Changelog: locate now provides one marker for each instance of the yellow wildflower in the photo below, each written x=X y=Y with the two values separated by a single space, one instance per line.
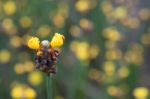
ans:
x=9 y=7
x=35 y=78
x=22 y=91
x=57 y=40
x=141 y=93
x=34 y=43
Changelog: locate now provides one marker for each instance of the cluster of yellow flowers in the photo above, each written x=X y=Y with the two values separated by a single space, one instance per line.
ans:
x=22 y=91
x=57 y=40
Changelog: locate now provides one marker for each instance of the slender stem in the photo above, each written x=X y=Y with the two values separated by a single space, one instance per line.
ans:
x=49 y=86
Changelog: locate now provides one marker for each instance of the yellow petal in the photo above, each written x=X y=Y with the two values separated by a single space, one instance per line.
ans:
x=57 y=40
x=34 y=43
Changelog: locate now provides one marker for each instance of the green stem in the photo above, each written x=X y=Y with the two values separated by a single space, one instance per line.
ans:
x=49 y=87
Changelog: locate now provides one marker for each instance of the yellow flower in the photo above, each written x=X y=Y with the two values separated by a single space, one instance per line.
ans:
x=34 y=43
x=35 y=78
x=141 y=93
x=9 y=7
x=22 y=91
x=57 y=40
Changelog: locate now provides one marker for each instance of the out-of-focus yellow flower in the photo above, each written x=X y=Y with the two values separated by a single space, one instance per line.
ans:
x=15 y=41
x=44 y=30
x=82 y=5
x=4 y=56
x=141 y=93
x=19 y=68
x=106 y=7
x=25 y=21
x=120 y=12
x=109 y=68
x=35 y=78
x=85 y=24
x=94 y=51
x=135 y=57
x=59 y=20
x=112 y=34
x=113 y=90
x=23 y=91
x=9 y=26
x=7 y=23
x=75 y=31
x=57 y=40
x=30 y=93
x=34 y=43
x=82 y=51
x=123 y=72
x=9 y=7
x=113 y=54
x=28 y=66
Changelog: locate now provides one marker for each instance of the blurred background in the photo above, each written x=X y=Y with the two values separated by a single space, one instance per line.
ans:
x=106 y=54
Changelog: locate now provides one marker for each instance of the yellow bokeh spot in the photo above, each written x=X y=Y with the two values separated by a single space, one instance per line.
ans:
x=21 y=91
x=82 y=5
x=44 y=31
x=141 y=93
x=9 y=7
x=85 y=24
x=75 y=31
x=9 y=26
x=35 y=78
x=120 y=12
x=106 y=7
x=113 y=54
x=19 y=68
x=57 y=40
x=17 y=92
x=30 y=93
x=94 y=51
x=123 y=72
x=112 y=34
x=135 y=57
x=33 y=43
x=59 y=20
x=15 y=41
x=4 y=56
x=82 y=51
x=109 y=68
x=25 y=21
x=112 y=90
x=29 y=66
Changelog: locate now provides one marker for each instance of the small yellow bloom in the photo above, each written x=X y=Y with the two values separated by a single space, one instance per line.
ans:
x=35 y=78
x=39 y=53
x=9 y=7
x=141 y=93
x=34 y=43
x=23 y=92
x=57 y=40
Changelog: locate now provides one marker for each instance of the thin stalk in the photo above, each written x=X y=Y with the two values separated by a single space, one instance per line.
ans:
x=49 y=86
